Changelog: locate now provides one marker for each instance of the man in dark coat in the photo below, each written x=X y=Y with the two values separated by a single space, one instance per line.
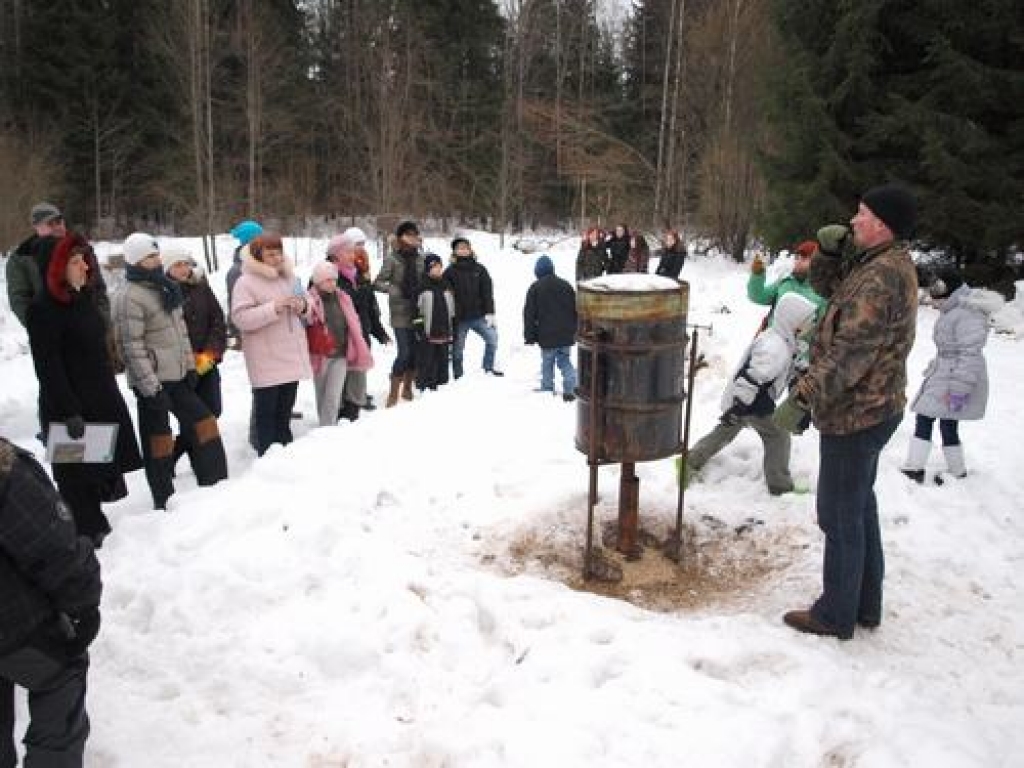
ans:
x=50 y=590
x=474 y=305
x=67 y=334
x=549 y=319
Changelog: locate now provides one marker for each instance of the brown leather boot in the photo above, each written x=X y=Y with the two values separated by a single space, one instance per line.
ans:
x=407 y=380
x=396 y=383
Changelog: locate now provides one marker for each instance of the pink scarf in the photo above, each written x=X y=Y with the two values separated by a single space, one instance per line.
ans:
x=357 y=351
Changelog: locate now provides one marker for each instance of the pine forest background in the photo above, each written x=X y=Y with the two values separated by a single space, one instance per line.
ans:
x=741 y=120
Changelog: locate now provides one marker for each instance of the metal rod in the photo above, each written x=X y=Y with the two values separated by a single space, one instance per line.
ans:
x=691 y=376
x=629 y=512
x=591 y=461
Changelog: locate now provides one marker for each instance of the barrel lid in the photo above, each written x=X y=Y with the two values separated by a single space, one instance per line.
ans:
x=630 y=282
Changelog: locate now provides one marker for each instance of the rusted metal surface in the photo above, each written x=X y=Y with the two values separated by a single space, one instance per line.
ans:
x=632 y=351
x=629 y=513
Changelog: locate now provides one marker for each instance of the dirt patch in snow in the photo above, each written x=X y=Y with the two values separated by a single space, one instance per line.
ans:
x=721 y=565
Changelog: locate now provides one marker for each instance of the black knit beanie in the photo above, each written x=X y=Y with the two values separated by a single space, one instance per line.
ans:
x=895 y=206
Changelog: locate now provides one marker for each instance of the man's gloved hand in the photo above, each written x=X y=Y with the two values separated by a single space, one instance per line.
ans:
x=86 y=626
x=757 y=265
x=205 y=361
x=957 y=401
x=834 y=239
x=489 y=320
x=75 y=426
x=159 y=401
x=791 y=415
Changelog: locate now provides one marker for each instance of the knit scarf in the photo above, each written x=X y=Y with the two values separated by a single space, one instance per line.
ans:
x=349 y=273
x=170 y=291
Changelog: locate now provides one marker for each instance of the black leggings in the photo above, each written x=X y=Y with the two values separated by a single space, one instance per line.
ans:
x=947 y=428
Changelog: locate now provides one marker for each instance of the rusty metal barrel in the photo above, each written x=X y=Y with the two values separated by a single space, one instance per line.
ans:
x=636 y=327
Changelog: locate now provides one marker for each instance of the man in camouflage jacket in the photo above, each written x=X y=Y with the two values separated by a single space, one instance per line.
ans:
x=855 y=392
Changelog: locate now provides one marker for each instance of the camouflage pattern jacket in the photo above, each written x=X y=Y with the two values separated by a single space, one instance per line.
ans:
x=858 y=372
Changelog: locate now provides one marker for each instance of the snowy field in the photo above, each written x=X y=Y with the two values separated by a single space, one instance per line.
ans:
x=399 y=591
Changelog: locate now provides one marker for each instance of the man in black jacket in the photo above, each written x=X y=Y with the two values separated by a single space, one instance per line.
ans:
x=50 y=591
x=474 y=305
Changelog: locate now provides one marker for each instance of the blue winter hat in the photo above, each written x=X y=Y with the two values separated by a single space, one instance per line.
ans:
x=544 y=266
x=246 y=230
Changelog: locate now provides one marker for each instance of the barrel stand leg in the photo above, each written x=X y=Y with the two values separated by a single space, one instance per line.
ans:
x=629 y=512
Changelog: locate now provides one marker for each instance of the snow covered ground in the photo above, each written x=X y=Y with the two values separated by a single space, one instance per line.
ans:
x=402 y=591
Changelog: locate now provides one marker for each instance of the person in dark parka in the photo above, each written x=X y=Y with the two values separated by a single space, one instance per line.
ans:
x=67 y=334
x=549 y=319
x=50 y=589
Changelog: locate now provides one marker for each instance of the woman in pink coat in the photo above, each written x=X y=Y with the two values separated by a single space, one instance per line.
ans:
x=268 y=306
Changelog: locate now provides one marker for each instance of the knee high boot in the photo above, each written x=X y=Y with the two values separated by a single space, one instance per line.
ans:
x=955 y=460
x=407 y=379
x=396 y=383
x=917 y=457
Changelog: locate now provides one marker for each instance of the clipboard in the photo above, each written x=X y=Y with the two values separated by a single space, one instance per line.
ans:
x=96 y=446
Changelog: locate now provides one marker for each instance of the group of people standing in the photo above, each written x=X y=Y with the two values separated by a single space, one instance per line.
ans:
x=622 y=251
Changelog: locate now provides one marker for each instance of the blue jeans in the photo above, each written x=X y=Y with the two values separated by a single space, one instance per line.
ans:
x=485 y=332
x=562 y=357
x=848 y=516
x=405 y=356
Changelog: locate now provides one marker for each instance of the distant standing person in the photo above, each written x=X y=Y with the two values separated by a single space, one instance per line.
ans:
x=207 y=329
x=592 y=259
x=955 y=386
x=347 y=252
x=243 y=232
x=671 y=256
x=549 y=320
x=618 y=244
x=855 y=391
x=639 y=256
x=474 y=306
x=434 y=323
x=270 y=311
x=399 y=278
x=77 y=386
x=50 y=590
x=158 y=356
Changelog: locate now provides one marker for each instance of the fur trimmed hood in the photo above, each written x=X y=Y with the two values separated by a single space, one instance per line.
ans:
x=253 y=266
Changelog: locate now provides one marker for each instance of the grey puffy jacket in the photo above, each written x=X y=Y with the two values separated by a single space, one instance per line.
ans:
x=959 y=366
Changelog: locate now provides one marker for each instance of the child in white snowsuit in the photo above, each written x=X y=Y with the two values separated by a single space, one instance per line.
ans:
x=749 y=399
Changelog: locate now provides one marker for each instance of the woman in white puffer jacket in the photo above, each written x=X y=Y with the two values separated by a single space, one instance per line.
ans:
x=955 y=386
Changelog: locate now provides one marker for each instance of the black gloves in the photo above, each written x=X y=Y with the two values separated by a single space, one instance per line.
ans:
x=417 y=330
x=160 y=401
x=85 y=628
x=75 y=426
x=192 y=379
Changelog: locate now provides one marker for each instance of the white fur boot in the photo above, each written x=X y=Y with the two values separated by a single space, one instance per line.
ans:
x=917 y=457
x=955 y=460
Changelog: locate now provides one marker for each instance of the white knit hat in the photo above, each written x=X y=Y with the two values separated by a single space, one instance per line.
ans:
x=346 y=242
x=172 y=255
x=138 y=246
